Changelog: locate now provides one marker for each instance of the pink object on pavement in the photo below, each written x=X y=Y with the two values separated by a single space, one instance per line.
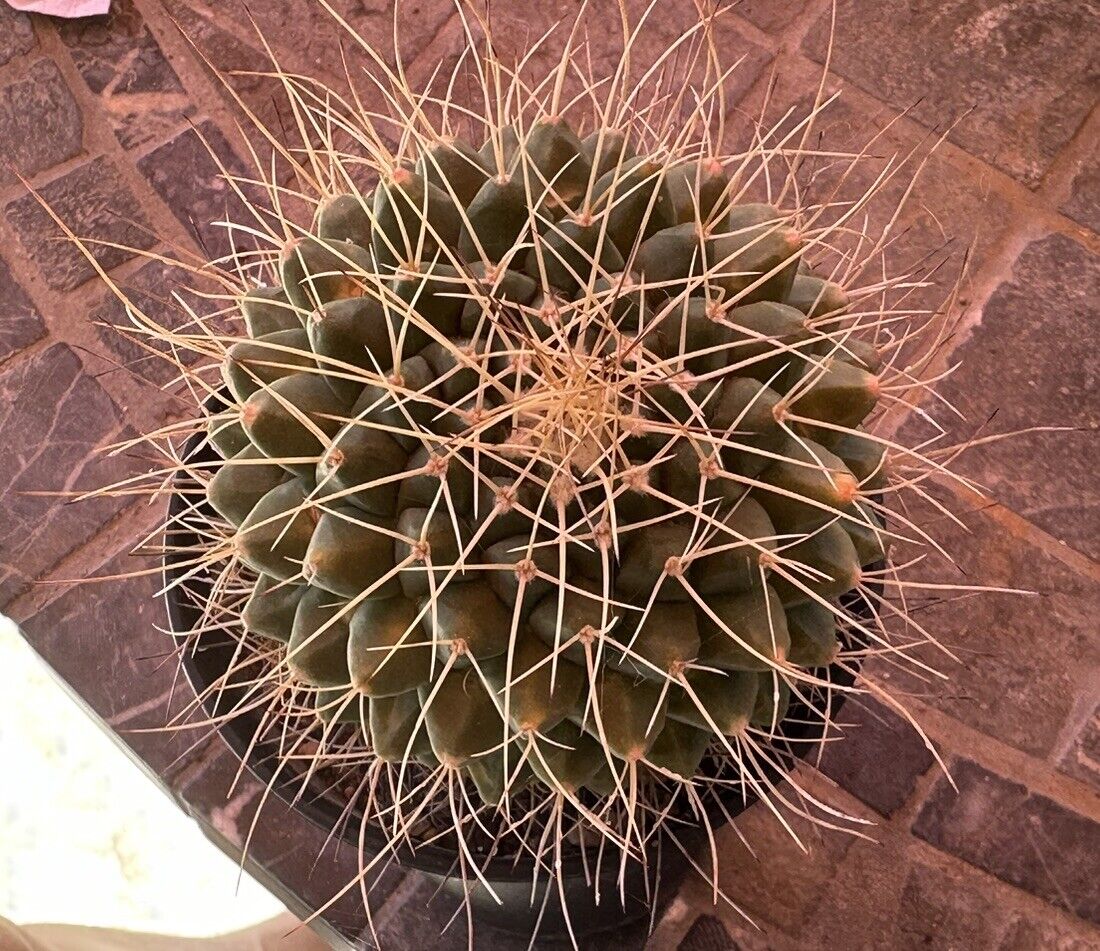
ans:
x=63 y=8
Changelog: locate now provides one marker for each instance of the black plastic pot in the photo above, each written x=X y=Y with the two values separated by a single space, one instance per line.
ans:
x=207 y=663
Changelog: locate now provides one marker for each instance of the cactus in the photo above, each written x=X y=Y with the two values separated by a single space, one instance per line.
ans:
x=612 y=513
x=548 y=468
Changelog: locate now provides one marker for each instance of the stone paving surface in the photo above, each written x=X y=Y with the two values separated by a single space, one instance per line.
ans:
x=106 y=118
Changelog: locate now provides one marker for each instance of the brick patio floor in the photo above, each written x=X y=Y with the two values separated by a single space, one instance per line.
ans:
x=104 y=117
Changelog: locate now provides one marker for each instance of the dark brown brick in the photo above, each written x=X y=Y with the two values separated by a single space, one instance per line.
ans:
x=122 y=64
x=21 y=324
x=40 y=122
x=189 y=180
x=1031 y=363
x=308 y=35
x=1082 y=759
x=1021 y=837
x=948 y=216
x=16 y=34
x=771 y=878
x=879 y=758
x=770 y=15
x=1023 y=659
x=226 y=58
x=152 y=290
x=1030 y=934
x=859 y=900
x=893 y=895
x=106 y=640
x=708 y=934
x=1021 y=68
x=53 y=421
x=946 y=910
x=117 y=50
x=1083 y=204
x=94 y=203
x=667 y=23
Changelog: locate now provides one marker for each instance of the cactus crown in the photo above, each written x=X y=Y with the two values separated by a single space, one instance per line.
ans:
x=547 y=466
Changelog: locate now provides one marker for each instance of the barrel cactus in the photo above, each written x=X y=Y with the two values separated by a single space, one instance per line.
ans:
x=546 y=455
x=540 y=472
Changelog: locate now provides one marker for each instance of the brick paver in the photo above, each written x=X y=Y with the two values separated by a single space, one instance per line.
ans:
x=103 y=118
x=53 y=419
x=122 y=63
x=16 y=34
x=221 y=48
x=1026 y=839
x=776 y=883
x=771 y=15
x=1082 y=759
x=95 y=205
x=40 y=122
x=950 y=219
x=191 y=183
x=1024 y=659
x=1019 y=69
x=1026 y=935
x=1024 y=365
x=1083 y=204
x=309 y=37
x=939 y=908
x=880 y=759
x=153 y=289
x=22 y=324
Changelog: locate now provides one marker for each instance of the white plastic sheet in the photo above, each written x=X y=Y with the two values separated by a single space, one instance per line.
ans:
x=63 y=8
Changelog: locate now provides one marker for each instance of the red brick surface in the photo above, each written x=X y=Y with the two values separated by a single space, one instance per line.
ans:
x=1023 y=660
x=1024 y=365
x=150 y=289
x=101 y=119
x=53 y=421
x=770 y=15
x=191 y=183
x=1083 y=204
x=1082 y=759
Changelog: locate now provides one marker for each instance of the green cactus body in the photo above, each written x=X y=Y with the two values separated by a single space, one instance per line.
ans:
x=546 y=461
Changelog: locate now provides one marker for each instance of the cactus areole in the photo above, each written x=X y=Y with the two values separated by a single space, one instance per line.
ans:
x=536 y=485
